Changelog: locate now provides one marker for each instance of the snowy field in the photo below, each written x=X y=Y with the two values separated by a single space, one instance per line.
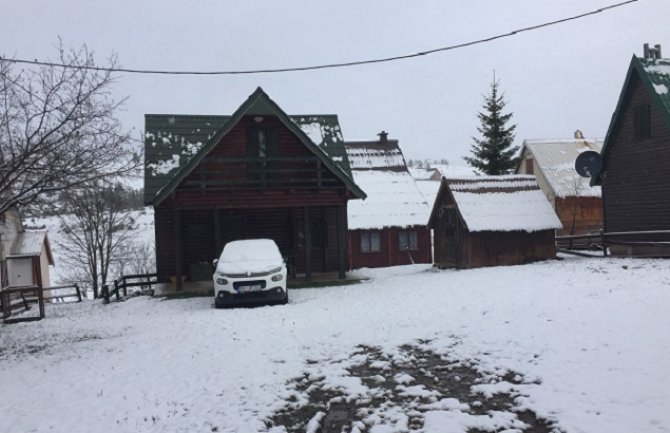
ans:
x=580 y=343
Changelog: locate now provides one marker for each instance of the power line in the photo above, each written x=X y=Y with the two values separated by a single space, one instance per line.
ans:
x=328 y=65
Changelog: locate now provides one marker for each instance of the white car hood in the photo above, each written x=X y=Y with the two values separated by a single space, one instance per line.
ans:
x=244 y=267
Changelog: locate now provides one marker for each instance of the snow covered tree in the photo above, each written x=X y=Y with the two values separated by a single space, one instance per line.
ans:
x=58 y=128
x=493 y=153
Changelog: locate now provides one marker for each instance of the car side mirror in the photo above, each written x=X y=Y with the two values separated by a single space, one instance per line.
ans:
x=214 y=262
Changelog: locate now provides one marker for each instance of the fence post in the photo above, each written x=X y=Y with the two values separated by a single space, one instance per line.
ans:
x=125 y=288
x=602 y=242
x=116 y=289
x=40 y=300
x=105 y=293
x=76 y=287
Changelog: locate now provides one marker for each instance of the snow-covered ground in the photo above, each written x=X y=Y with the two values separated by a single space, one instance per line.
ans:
x=587 y=340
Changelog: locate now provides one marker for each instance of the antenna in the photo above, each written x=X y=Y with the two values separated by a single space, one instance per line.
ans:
x=589 y=164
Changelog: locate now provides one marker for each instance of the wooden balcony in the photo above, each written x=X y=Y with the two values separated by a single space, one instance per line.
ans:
x=219 y=173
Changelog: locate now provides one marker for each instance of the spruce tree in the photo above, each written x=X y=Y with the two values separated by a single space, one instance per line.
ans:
x=494 y=153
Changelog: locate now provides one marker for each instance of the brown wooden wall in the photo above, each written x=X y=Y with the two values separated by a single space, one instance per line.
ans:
x=509 y=248
x=636 y=184
x=587 y=211
x=389 y=254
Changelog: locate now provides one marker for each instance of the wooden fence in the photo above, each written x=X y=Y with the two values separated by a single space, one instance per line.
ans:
x=144 y=281
x=576 y=244
x=16 y=299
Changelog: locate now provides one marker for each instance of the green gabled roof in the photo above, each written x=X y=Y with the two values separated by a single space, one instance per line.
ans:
x=655 y=77
x=175 y=144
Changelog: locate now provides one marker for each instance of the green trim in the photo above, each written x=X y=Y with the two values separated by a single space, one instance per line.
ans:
x=257 y=103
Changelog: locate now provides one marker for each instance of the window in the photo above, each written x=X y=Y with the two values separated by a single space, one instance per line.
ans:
x=642 y=122
x=407 y=241
x=370 y=242
x=529 y=166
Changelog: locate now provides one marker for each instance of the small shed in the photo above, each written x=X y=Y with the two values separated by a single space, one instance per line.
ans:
x=576 y=202
x=29 y=259
x=492 y=220
x=635 y=176
x=389 y=228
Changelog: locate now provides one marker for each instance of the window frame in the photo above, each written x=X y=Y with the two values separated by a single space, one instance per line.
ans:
x=409 y=239
x=370 y=242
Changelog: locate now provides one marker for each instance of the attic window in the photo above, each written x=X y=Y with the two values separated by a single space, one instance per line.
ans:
x=642 y=122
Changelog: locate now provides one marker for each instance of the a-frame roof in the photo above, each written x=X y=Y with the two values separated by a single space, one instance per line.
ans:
x=175 y=144
x=501 y=203
x=655 y=77
x=29 y=243
x=556 y=160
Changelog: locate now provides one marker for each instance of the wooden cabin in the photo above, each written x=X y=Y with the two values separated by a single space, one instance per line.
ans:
x=29 y=259
x=577 y=203
x=492 y=221
x=258 y=173
x=389 y=227
x=25 y=255
x=635 y=176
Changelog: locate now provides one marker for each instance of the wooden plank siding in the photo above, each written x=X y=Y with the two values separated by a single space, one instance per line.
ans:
x=637 y=178
x=230 y=166
x=389 y=253
x=585 y=212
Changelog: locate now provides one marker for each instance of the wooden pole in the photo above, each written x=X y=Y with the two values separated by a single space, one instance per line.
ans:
x=341 y=227
x=178 y=249
x=308 y=245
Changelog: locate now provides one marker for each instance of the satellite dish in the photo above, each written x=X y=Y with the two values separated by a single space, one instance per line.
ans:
x=589 y=163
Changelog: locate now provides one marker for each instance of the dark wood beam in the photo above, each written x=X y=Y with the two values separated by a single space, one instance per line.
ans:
x=308 y=244
x=178 y=249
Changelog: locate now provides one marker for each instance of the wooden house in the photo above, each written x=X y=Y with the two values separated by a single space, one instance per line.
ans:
x=25 y=255
x=389 y=227
x=635 y=175
x=258 y=173
x=492 y=220
x=577 y=203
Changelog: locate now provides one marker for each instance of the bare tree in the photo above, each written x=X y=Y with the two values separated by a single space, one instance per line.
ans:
x=95 y=226
x=58 y=128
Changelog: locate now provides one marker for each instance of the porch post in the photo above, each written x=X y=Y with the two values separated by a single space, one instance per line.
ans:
x=308 y=245
x=178 y=249
x=341 y=228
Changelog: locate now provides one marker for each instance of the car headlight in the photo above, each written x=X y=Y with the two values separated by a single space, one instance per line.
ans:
x=277 y=277
x=221 y=281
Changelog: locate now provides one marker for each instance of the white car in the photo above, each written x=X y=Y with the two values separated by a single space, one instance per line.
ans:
x=250 y=271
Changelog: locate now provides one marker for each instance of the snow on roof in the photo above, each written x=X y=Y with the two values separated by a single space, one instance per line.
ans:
x=393 y=201
x=29 y=243
x=503 y=203
x=375 y=155
x=556 y=160
x=423 y=173
x=429 y=190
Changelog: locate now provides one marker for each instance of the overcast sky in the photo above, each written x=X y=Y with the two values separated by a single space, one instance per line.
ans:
x=555 y=80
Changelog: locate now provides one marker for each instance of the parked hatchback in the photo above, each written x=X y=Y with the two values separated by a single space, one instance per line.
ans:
x=250 y=271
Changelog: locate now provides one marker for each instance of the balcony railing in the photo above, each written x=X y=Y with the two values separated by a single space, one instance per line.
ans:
x=261 y=173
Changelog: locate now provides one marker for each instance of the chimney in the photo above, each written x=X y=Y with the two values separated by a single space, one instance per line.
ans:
x=578 y=134
x=652 y=53
x=383 y=137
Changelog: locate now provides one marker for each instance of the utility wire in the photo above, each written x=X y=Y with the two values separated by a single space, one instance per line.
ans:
x=329 y=65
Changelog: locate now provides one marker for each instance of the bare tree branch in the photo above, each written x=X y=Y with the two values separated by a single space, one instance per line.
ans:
x=58 y=128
